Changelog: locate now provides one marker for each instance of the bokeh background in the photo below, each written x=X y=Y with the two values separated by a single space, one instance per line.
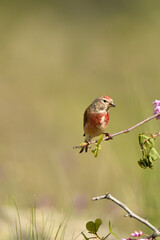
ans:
x=56 y=58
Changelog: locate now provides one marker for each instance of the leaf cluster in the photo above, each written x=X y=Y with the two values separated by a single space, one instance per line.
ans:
x=149 y=153
x=98 y=146
x=93 y=227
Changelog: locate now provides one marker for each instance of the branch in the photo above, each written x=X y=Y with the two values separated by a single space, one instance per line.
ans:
x=156 y=135
x=130 y=214
x=121 y=132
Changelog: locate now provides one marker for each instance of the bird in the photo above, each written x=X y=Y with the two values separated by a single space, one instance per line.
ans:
x=96 y=119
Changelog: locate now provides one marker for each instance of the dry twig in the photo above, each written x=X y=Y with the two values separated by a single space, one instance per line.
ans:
x=130 y=214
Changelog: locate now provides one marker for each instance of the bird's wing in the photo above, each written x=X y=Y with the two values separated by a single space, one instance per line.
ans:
x=85 y=118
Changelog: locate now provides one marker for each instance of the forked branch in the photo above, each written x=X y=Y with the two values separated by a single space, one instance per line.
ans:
x=130 y=214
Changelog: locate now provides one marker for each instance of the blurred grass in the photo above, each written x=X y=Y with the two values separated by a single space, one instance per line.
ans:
x=56 y=58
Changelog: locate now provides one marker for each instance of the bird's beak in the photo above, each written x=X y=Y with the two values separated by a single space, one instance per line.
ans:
x=112 y=104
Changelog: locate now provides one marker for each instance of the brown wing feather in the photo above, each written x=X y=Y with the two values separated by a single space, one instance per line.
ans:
x=85 y=117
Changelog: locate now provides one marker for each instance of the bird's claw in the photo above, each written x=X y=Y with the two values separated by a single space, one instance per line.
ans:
x=108 y=135
x=87 y=145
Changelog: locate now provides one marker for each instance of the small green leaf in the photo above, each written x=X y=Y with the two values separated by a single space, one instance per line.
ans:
x=91 y=227
x=115 y=235
x=100 y=139
x=146 y=142
x=98 y=147
x=141 y=138
x=109 y=225
x=146 y=162
x=95 y=152
x=154 y=154
x=111 y=232
x=149 y=153
x=98 y=223
x=142 y=163
x=151 y=142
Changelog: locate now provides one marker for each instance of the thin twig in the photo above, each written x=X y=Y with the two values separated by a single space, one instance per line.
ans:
x=130 y=214
x=121 y=132
x=156 y=135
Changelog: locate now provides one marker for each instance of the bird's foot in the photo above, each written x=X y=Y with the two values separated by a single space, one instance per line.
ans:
x=108 y=135
x=85 y=147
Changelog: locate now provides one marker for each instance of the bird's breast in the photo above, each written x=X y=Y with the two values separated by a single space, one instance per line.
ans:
x=99 y=119
x=96 y=124
x=103 y=121
x=95 y=120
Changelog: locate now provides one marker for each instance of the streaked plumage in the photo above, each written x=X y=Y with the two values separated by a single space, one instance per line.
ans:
x=96 y=118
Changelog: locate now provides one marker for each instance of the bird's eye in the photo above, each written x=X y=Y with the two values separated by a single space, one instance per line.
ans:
x=104 y=100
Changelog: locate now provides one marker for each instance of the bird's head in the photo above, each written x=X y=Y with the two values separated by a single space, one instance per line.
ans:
x=102 y=104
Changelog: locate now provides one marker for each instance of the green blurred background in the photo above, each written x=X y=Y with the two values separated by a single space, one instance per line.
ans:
x=56 y=58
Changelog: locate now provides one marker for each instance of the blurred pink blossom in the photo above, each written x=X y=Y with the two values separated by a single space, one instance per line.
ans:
x=136 y=234
x=157 y=108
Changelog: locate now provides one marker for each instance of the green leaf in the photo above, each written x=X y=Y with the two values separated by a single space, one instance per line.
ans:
x=142 y=163
x=100 y=139
x=96 y=153
x=146 y=162
x=98 y=147
x=91 y=227
x=98 y=223
x=146 y=142
x=141 y=138
x=111 y=232
x=154 y=154
x=149 y=161
x=149 y=153
x=109 y=225
x=151 y=142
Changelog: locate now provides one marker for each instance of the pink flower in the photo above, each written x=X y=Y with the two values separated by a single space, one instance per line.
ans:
x=156 y=103
x=136 y=234
x=157 y=108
